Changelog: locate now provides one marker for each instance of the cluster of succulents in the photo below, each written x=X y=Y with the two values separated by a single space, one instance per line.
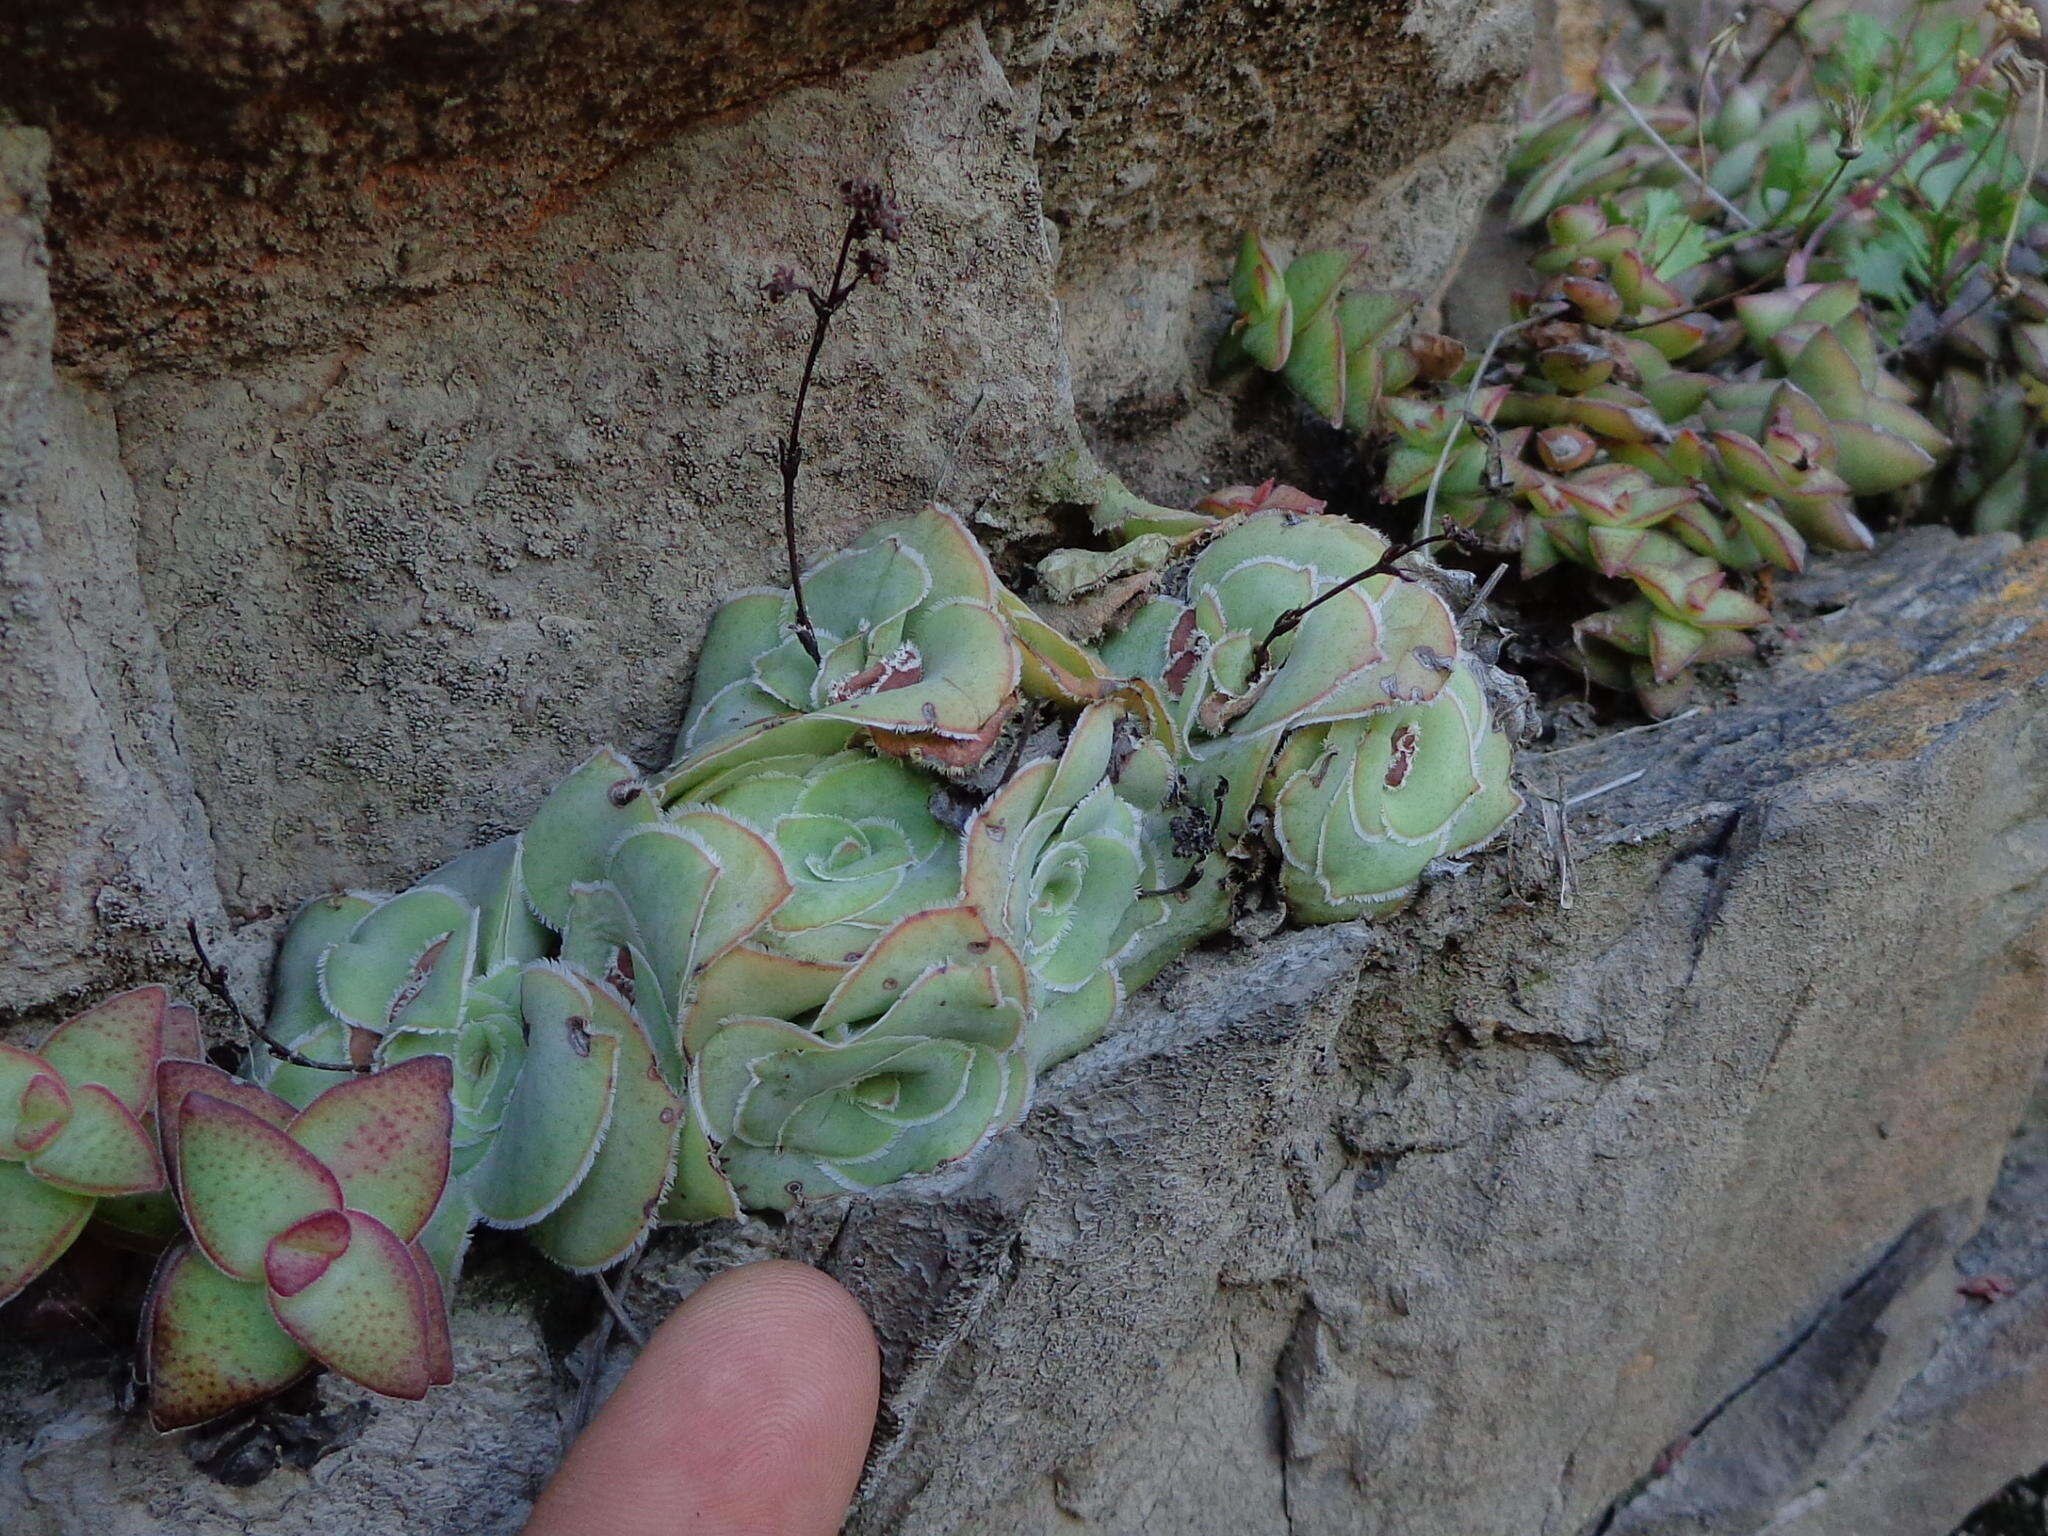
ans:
x=835 y=942
x=1896 y=154
x=1984 y=368
x=1609 y=435
x=1756 y=311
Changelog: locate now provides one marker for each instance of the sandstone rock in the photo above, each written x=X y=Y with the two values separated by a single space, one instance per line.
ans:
x=417 y=359
x=103 y=842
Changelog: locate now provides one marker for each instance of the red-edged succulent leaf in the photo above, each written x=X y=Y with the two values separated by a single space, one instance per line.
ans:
x=182 y=1038
x=176 y=1078
x=302 y=1252
x=102 y=1150
x=38 y=1222
x=385 y=1137
x=34 y=1103
x=242 y=1181
x=366 y=1315
x=211 y=1344
x=441 y=1357
x=116 y=1043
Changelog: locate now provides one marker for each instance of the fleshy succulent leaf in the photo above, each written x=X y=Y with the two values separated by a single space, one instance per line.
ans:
x=556 y=1117
x=211 y=1343
x=102 y=1150
x=573 y=832
x=242 y=1181
x=175 y=1079
x=385 y=1138
x=38 y=1223
x=613 y=1206
x=363 y=1311
x=115 y=1043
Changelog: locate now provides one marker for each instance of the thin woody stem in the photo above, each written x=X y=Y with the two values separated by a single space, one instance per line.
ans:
x=215 y=980
x=790 y=454
x=1619 y=96
x=1386 y=565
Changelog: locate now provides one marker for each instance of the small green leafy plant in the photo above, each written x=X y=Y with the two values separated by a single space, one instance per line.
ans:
x=1755 y=314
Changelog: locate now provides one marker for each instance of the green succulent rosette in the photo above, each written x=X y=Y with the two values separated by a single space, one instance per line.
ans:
x=1361 y=807
x=915 y=1057
x=914 y=648
x=1053 y=861
x=854 y=831
x=1262 y=629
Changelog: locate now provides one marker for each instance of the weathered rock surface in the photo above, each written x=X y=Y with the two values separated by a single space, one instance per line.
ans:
x=420 y=386
x=1475 y=1221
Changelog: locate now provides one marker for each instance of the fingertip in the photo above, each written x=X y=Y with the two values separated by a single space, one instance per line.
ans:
x=749 y=1411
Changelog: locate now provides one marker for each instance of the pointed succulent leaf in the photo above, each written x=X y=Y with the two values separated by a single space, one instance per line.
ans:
x=440 y=1344
x=385 y=1138
x=176 y=1079
x=1768 y=528
x=211 y=1343
x=362 y=1308
x=34 y=1103
x=38 y=1223
x=1674 y=646
x=1873 y=461
x=102 y=1150
x=1313 y=281
x=1316 y=365
x=242 y=1181
x=116 y=1044
x=302 y=1252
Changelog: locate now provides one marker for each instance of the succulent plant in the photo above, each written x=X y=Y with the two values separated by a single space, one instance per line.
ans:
x=76 y=1124
x=304 y=1244
x=1262 y=628
x=1072 y=863
x=854 y=831
x=830 y=947
x=915 y=1057
x=1603 y=441
x=1331 y=346
x=1982 y=361
x=916 y=649
x=1889 y=159
x=1361 y=807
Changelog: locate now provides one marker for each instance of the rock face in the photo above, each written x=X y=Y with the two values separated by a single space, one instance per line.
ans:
x=383 y=391
x=412 y=386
